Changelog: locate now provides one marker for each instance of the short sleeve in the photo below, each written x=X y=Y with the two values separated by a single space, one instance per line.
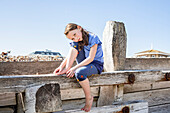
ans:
x=95 y=40
x=74 y=45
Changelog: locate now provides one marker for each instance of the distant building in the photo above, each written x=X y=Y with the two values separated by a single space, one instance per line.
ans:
x=151 y=54
x=45 y=53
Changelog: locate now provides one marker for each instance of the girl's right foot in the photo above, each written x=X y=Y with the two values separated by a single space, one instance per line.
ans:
x=88 y=105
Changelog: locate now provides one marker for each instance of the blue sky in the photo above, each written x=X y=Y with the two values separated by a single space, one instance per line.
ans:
x=29 y=25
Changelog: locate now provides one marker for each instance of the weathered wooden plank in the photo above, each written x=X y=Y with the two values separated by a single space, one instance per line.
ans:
x=7 y=99
x=145 y=86
x=6 y=110
x=76 y=104
x=19 y=83
x=153 y=97
x=77 y=93
x=160 y=109
x=134 y=107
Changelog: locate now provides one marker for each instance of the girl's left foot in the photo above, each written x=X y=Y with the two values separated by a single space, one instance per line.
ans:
x=88 y=105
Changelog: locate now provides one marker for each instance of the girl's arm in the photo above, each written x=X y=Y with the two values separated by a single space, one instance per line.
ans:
x=71 y=57
x=68 y=62
x=88 y=60
x=60 y=68
x=63 y=63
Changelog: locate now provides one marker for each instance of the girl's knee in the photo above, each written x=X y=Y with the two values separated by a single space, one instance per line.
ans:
x=80 y=77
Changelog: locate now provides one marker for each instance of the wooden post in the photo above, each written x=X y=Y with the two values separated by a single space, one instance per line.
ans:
x=114 y=49
x=107 y=95
x=110 y=94
x=20 y=103
x=43 y=98
x=114 y=46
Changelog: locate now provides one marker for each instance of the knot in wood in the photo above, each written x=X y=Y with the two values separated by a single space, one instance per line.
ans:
x=125 y=109
x=131 y=78
x=167 y=76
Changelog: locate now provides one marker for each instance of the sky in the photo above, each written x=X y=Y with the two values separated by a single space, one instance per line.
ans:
x=30 y=25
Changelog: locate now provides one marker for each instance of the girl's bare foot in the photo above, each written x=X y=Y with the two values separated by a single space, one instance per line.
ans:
x=88 y=104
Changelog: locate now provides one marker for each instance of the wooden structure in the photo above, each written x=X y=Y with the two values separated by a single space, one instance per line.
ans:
x=115 y=90
x=152 y=54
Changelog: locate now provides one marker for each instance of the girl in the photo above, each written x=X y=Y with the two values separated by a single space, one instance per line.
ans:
x=87 y=50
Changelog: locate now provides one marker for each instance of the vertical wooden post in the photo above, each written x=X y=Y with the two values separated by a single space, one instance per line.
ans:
x=110 y=94
x=107 y=95
x=114 y=46
x=20 y=103
x=114 y=50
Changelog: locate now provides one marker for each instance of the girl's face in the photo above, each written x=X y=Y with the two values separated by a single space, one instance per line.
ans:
x=75 y=35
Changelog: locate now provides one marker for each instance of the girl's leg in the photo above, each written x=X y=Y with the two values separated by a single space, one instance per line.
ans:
x=81 y=56
x=81 y=75
x=89 y=98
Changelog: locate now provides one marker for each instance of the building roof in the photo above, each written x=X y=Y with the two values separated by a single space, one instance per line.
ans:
x=152 y=51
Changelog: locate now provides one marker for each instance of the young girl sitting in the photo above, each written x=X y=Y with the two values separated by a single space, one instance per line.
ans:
x=87 y=50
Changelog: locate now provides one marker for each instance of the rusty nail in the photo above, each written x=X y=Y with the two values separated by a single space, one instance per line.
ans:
x=131 y=78
x=167 y=76
x=125 y=109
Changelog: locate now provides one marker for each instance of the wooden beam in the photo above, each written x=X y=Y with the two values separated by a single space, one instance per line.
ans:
x=165 y=108
x=19 y=83
x=153 y=97
x=76 y=104
x=6 y=110
x=130 y=88
x=131 y=106
x=77 y=93
x=7 y=99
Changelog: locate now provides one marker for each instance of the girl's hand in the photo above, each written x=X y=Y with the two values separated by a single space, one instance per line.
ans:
x=58 y=70
x=70 y=73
